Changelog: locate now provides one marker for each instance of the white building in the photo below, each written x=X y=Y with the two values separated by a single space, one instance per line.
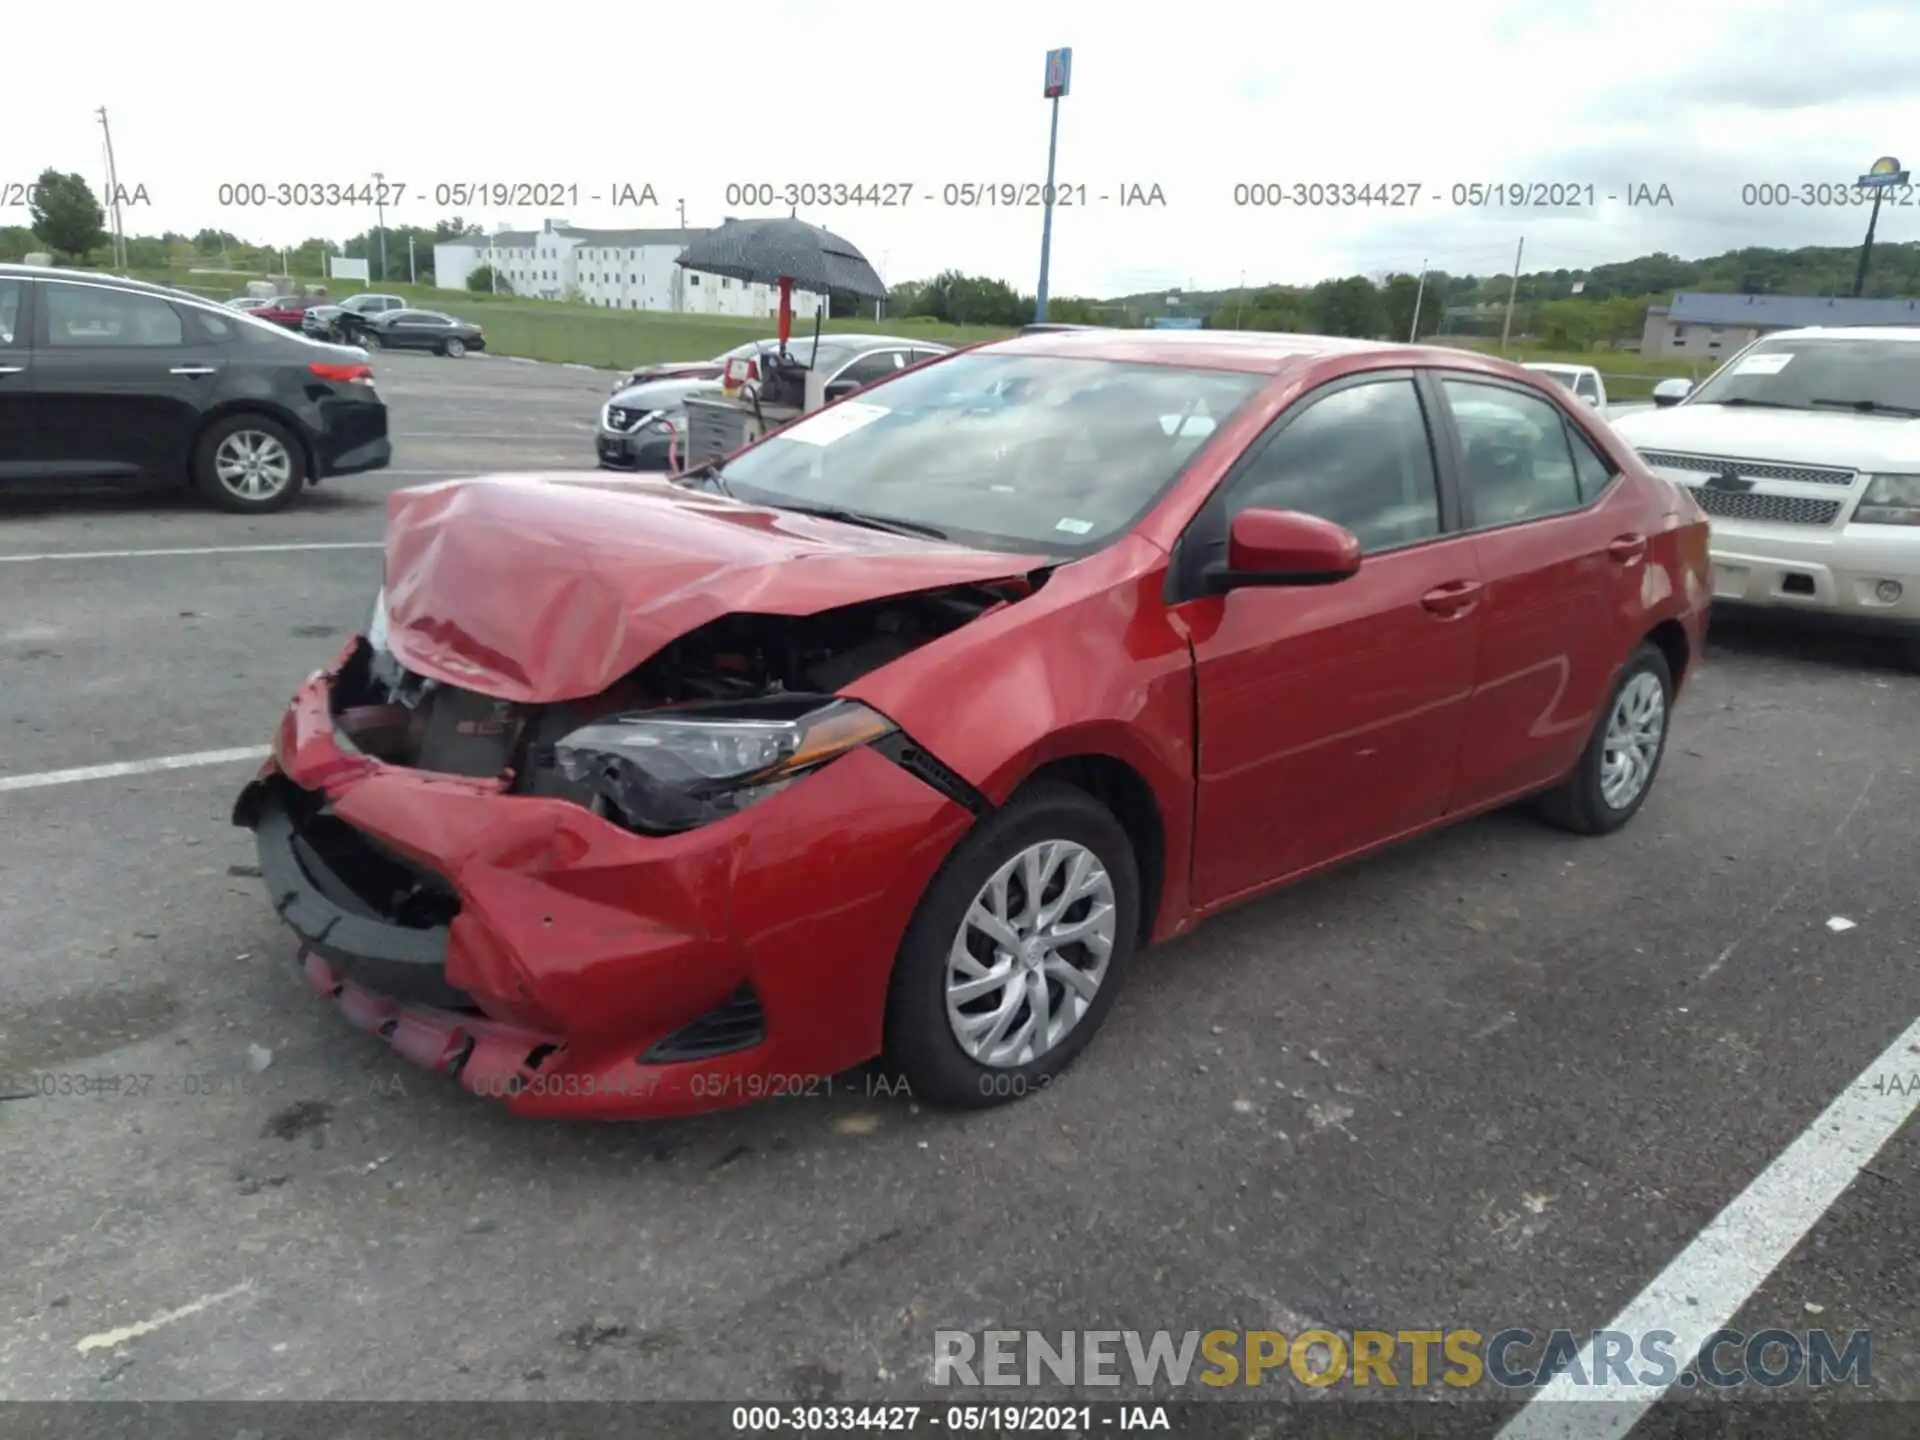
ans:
x=621 y=269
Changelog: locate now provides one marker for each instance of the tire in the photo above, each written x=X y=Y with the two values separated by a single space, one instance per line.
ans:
x=369 y=342
x=454 y=348
x=249 y=465
x=922 y=1045
x=1583 y=803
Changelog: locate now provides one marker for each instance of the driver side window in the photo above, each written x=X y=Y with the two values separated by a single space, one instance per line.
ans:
x=1361 y=457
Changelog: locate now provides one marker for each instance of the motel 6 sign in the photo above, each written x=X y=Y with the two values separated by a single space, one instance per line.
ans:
x=1059 y=71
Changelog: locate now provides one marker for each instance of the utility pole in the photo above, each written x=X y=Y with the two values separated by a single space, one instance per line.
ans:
x=380 y=212
x=682 y=206
x=113 y=194
x=1239 y=299
x=413 y=277
x=1059 y=71
x=1419 y=294
x=1506 y=326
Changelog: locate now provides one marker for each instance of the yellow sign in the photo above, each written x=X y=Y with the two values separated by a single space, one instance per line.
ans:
x=1885 y=165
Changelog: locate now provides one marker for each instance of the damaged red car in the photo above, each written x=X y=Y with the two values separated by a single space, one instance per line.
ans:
x=900 y=733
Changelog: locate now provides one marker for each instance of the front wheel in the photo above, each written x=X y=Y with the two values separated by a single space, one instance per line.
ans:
x=1016 y=953
x=1617 y=769
x=454 y=349
x=369 y=342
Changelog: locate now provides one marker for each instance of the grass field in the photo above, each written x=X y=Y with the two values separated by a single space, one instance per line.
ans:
x=1628 y=376
x=592 y=334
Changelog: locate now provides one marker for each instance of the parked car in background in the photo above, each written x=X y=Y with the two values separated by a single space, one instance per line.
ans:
x=108 y=380
x=287 y=311
x=248 y=302
x=418 y=330
x=1804 y=449
x=644 y=427
x=902 y=730
x=691 y=369
x=340 y=323
x=1586 y=383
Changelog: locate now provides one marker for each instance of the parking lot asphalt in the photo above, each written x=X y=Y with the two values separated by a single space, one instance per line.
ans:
x=1499 y=1078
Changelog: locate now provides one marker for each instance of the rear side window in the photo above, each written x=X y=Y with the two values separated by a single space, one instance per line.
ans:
x=13 y=299
x=1595 y=471
x=204 y=325
x=1518 y=458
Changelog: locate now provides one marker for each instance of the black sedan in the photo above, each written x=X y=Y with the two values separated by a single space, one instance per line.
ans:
x=418 y=330
x=115 y=381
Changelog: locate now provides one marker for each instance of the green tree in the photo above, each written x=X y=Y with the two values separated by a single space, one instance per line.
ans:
x=482 y=281
x=1399 y=299
x=66 y=215
x=1347 y=307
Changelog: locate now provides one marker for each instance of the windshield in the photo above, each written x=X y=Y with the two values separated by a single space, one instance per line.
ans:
x=1010 y=452
x=1823 y=373
x=1565 y=377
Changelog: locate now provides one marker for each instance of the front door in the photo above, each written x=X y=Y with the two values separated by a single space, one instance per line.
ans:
x=119 y=384
x=1329 y=717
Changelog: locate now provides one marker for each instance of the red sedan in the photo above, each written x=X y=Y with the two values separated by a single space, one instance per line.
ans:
x=900 y=733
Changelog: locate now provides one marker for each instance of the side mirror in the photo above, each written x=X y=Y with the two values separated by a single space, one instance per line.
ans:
x=1671 y=392
x=1592 y=401
x=1285 y=547
x=840 y=389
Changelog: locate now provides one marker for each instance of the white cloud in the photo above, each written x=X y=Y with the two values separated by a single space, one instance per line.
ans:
x=1193 y=98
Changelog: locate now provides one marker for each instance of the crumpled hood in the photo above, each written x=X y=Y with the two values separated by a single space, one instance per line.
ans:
x=1837 y=438
x=544 y=588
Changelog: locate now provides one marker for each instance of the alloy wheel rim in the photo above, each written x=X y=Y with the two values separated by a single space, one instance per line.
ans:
x=456 y=349
x=253 y=465
x=1635 y=729
x=1031 y=953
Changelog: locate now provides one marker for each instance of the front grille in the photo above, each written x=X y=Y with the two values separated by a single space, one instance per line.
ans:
x=1780 y=509
x=622 y=419
x=737 y=1024
x=1748 y=469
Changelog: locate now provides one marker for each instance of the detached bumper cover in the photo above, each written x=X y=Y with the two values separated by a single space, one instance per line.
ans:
x=573 y=949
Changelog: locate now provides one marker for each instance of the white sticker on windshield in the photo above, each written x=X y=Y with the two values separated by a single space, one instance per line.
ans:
x=830 y=425
x=1075 y=527
x=1771 y=363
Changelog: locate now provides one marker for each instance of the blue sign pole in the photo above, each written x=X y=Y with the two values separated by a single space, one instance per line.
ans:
x=1059 y=71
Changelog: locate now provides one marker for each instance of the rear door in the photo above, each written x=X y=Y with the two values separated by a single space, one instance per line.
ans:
x=19 y=429
x=1562 y=549
x=119 y=381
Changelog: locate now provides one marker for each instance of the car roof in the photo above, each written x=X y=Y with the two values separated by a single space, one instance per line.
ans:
x=1260 y=352
x=1848 y=332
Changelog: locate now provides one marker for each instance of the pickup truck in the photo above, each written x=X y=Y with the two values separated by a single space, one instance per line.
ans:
x=1583 y=380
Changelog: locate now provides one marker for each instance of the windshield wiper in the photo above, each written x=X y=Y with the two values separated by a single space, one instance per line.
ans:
x=1755 y=404
x=1867 y=407
x=710 y=473
x=871 y=522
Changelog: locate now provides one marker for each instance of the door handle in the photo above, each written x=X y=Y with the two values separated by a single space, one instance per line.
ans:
x=1627 y=548
x=191 y=370
x=1454 y=598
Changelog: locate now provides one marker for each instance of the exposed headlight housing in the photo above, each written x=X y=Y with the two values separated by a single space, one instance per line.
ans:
x=377 y=622
x=1890 y=500
x=664 y=771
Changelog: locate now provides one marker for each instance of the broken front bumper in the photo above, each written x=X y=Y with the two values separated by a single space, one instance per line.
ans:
x=549 y=957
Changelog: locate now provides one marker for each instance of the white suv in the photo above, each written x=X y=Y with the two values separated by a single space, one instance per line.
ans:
x=1804 y=450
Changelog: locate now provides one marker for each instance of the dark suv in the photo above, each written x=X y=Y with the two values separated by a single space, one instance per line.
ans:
x=104 y=379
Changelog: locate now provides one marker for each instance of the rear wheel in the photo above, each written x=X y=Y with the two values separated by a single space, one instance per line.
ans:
x=248 y=464
x=454 y=348
x=1016 y=953
x=1617 y=770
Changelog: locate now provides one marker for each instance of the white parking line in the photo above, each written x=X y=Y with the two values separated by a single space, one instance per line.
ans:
x=133 y=767
x=1709 y=1281
x=196 y=550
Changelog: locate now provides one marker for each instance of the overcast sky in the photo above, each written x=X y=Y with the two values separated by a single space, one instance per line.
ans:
x=1701 y=98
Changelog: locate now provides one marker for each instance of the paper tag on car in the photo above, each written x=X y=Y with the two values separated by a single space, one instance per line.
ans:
x=1769 y=364
x=1075 y=527
x=836 y=424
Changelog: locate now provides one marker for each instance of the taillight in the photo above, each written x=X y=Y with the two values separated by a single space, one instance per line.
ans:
x=346 y=374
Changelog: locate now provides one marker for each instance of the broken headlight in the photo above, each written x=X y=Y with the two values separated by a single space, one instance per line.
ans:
x=1890 y=500
x=377 y=622
x=663 y=771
